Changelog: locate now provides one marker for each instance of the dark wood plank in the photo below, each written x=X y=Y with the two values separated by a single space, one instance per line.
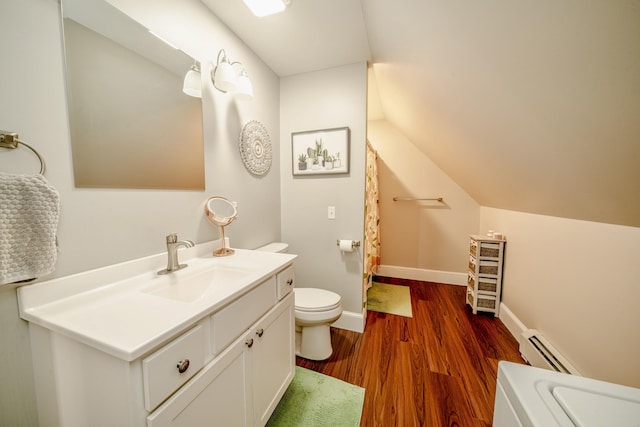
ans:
x=437 y=368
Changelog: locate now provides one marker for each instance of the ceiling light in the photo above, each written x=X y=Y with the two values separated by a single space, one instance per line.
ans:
x=262 y=8
x=192 y=82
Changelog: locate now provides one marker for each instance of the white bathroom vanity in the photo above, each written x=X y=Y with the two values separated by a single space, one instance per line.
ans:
x=210 y=344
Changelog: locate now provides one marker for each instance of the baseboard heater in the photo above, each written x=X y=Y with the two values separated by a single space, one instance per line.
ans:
x=539 y=352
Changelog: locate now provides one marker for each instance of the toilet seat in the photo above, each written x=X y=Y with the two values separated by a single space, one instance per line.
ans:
x=315 y=311
x=315 y=300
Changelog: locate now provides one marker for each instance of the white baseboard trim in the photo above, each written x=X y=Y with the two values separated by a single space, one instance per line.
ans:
x=437 y=276
x=513 y=324
x=350 y=321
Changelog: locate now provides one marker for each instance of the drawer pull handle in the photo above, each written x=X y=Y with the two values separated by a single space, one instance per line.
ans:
x=290 y=282
x=249 y=342
x=259 y=332
x=183 y=365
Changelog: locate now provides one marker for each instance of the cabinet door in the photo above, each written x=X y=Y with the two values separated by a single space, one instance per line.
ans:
x=273 y=358
x=216 y=396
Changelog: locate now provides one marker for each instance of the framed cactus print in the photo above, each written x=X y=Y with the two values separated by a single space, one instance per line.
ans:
x=320 y=152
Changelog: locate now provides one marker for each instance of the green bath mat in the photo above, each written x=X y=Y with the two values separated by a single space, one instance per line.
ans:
x=317 y=400
x=393 y=299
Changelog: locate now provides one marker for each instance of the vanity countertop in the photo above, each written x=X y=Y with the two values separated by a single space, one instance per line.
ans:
x=127 y=309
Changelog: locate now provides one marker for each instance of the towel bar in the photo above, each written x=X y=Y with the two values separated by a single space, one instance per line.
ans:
x=10 y=140
x=433 y=199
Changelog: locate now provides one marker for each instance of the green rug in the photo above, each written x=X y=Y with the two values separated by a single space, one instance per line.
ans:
x=393 y=299
x=317 y=400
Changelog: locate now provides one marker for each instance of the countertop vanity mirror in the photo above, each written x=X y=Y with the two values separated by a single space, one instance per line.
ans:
x=221 y=212
x=131 y=125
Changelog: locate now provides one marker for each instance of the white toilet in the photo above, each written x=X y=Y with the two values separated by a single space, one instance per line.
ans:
x=315 y=310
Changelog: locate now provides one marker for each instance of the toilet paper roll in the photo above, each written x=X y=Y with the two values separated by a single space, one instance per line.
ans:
x=346 y=245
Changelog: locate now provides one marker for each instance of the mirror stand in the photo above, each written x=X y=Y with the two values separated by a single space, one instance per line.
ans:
x=221 y=212
x=223 y=251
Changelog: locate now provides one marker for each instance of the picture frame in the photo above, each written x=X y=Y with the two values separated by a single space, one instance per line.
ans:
x=320 y=152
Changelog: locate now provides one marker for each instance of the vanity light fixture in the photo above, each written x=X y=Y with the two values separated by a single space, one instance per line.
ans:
x=262 y=8
x=225 y=78
x=192 y=81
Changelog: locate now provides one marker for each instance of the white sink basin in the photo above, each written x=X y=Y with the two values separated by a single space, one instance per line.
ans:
x=191 y=288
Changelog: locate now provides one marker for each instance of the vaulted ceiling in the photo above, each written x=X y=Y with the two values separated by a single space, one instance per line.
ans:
x=528 y=106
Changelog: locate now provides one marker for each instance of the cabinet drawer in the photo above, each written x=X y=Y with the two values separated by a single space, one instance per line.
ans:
x=217 y=396
x=486 y=284
x=484 y=249
x=488 y=267
x=481 y=300
x=285 y=282
x=161 y=371
x=488 y=249
x=228 y=323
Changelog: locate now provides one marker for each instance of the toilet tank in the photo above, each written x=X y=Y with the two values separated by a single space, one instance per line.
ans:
x=274 y=247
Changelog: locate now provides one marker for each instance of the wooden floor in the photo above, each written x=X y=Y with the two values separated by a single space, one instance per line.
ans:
x=437 y=368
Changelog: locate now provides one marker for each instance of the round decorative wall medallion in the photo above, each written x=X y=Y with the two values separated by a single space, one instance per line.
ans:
x=255 y=148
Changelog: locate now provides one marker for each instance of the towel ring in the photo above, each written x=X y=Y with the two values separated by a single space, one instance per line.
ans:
x=10 y=140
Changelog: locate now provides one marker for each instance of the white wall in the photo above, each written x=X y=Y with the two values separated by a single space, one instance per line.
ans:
x=576 y=282
x=101 y=227
x=544 y=92
x=420 y=240
x=326 y=99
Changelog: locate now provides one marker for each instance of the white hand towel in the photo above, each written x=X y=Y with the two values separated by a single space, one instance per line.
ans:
x=29 y=213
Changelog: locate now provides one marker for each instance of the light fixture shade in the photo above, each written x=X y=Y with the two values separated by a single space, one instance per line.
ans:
x=224 y=77
x=244 y=89
x=262 y=8
x=192 y=83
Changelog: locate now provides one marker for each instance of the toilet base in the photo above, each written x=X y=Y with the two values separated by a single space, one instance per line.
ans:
x=313 y=342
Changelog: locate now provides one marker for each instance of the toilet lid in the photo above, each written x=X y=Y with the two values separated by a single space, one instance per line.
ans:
x=312 y=299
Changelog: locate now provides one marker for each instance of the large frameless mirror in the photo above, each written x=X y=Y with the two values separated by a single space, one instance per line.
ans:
x=131 y=124
x=221 y=212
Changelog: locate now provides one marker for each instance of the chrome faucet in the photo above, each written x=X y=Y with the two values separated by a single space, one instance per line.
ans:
x=172 y=253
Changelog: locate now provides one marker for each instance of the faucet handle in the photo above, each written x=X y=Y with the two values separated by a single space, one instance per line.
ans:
x=172 y=238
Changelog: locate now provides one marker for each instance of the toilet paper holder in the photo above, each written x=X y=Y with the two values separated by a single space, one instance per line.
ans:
x=354 y=243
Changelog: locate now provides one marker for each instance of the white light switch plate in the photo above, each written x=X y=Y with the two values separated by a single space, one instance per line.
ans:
x=331 y=212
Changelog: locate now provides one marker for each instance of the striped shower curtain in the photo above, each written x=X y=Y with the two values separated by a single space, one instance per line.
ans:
x=371 y=221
